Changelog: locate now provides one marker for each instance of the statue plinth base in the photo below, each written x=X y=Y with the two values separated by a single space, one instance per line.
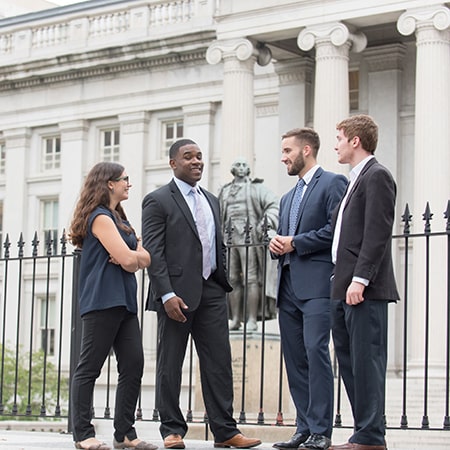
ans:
x=250 y=380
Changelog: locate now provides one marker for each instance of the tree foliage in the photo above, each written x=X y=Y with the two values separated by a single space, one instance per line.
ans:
x=35 y=395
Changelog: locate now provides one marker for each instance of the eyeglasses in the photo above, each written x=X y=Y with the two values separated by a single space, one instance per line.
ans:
x=127 y=179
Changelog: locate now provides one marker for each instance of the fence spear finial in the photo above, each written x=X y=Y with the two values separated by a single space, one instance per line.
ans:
x=35 y=244
x=63 y=242
x=427 y=217
x=21 y=244
x=406 y=218
x=6 y=246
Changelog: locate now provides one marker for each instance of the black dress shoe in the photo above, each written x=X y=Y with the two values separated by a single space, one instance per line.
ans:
x=294 y=442
x=316 y=441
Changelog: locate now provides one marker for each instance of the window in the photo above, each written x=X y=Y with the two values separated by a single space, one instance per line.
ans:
x=2 y=158
x=49 y=224
x=353 y=82
x=110 y=145
x=51 y=155
x=47 y=321
x=172 y=131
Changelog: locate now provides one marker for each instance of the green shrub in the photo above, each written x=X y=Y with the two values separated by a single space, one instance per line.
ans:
x=27 y=399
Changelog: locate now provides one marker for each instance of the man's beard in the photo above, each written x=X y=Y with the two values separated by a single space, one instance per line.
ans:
x=297 y=166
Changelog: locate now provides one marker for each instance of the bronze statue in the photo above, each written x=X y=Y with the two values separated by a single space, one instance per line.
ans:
x=245 y=199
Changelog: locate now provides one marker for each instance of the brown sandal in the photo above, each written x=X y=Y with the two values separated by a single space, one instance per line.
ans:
x=101 y=446
x=142 y=445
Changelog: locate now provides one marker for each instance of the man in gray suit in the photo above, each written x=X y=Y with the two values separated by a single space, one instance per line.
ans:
x=181 y=229
x=303 y=249
x=363 y=282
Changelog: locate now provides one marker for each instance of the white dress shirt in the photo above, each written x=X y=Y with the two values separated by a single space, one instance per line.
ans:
x=353 y=175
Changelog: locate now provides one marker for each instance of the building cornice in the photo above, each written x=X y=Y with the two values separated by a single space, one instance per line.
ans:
x=106 y=62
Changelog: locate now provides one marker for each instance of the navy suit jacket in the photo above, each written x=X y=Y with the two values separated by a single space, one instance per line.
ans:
x=310 y=262
x=365 y=240
x=170 y=235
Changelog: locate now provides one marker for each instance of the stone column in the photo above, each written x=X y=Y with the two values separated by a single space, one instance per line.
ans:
x=16 y=211
x=432 y=109
x=133 y=151
x=431 y=169
x=17 y=147
x=385 y=65
x=332 y=42
x=199 y=126
x=295 y=106
x=74 y=135
x=295 y=80
x=238 y=110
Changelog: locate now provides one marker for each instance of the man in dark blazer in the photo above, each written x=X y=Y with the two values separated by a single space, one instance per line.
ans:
x=303 y=249
x=188 y=286
x=363 y=282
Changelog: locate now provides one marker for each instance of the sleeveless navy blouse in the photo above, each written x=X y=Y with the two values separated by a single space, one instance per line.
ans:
x=103 y=284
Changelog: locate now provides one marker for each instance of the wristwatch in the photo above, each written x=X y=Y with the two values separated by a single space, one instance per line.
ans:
x=292 y=243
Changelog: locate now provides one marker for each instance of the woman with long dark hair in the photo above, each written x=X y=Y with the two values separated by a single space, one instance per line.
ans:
x=111 y=254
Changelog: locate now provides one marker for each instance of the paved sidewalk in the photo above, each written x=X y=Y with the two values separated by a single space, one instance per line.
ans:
x=14 y=436
x=39 y=440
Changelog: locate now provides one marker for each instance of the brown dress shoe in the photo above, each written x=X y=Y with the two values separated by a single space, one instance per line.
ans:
x=173 y=441
x=355 y=446
x=238 y=441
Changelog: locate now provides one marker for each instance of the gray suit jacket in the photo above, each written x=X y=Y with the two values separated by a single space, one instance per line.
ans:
x=365 y=242
x=170 y=235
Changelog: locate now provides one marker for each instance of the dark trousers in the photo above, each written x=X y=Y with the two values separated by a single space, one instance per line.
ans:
x=360 y=341
x=118 y=329
x=208 y=325
x=305 y=335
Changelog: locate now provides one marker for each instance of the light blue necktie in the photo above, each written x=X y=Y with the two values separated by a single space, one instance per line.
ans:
x=295 y=206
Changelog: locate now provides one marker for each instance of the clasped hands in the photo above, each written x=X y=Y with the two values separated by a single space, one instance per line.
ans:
x=280 y=245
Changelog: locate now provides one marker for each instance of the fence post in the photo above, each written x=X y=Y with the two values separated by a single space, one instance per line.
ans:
x=75 y=330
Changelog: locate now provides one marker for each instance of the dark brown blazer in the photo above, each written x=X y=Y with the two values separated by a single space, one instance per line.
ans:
x=365 y=241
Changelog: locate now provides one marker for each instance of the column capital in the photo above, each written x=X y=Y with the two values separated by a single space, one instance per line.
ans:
x=134 y=117
x=73 y=125
x=437 y=17
x=335 y=33
x=242 y=49
x=17 y=135
x=385 y=57
x=134 y=122
x=294 y=71
x=199 y=113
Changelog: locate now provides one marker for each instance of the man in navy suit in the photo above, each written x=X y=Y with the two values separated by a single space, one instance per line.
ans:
x=303 y=249
x=363 y=282
x=188 y=283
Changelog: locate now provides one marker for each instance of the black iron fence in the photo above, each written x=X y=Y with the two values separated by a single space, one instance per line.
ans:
x=40 y=335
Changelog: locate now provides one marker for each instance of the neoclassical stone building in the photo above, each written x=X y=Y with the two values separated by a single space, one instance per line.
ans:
x=120 y=80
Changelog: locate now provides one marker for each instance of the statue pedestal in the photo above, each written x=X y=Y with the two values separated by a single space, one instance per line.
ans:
x=256 y=376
